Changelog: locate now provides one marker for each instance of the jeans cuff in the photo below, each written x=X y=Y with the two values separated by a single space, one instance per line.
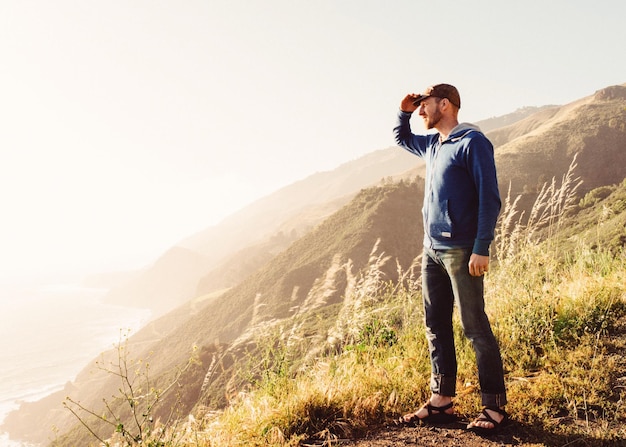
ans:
x=444 y=385
x=494 y=400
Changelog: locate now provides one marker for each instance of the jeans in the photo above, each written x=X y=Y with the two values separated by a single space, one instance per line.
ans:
x=446 y=282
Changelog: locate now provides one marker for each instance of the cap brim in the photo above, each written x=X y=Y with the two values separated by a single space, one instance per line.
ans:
x=419 y=99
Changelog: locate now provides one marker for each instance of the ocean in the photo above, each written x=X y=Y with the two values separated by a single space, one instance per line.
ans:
x=48 y=334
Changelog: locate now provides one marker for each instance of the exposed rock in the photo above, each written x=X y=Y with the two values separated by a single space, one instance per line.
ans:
x=612 y=92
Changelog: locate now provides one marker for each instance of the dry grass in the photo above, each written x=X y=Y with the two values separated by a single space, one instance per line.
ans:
x=561 y=372
x=554 y=311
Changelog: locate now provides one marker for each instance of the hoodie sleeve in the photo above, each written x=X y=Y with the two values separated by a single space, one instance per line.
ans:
x=483 y=170
x=416 y=144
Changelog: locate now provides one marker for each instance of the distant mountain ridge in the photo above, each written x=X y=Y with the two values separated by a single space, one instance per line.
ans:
x=289 y=212
x=294 y=209
x=594 y=128
x=497 y=122
x=301 y=263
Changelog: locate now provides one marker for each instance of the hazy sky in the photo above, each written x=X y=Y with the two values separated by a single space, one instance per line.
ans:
x=129 y=125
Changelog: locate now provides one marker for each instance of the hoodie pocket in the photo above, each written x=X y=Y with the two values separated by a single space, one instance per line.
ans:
x=441 y=223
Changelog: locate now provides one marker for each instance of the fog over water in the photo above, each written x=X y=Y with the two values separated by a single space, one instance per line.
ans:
x=48 y=334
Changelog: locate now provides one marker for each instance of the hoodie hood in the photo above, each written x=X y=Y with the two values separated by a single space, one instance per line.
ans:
x=461 y=130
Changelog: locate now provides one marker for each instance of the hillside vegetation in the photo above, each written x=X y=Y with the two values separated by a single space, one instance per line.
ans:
x=257 y=231
x=307 y=281
x=559 y=310
x=592 y=128
x=530 y=150
x=328 y=292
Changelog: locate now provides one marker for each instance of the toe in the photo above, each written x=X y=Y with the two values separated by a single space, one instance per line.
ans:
x=482 y=424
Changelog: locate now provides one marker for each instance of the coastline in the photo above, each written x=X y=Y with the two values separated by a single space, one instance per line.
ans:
x=48 y=335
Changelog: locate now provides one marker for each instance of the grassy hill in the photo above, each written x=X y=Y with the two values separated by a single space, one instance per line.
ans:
x=534 y=145
x=294 y=209
x=301 y=282
x=244 y=241
x=542 y=146
x=332 y=277
x=333 y=366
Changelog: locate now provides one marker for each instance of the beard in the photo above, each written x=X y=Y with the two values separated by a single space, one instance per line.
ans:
x=431 y=121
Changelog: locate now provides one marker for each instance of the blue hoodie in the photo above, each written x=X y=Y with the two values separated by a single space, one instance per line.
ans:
x=461 y=197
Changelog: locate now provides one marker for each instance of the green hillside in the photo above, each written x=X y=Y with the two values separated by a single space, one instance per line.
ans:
x=305 y=282
x=324 y=301
x=542 y=146
x=334 y=364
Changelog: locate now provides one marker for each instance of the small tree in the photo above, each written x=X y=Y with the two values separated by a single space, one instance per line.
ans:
x=138 y=396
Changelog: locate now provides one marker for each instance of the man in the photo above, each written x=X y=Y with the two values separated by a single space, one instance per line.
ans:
x=461 y=206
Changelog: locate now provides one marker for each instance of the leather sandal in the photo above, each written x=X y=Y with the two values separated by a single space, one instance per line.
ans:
x=436 y=415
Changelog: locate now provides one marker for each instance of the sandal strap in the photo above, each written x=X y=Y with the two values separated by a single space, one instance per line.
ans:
x=498 y=410
x=485 y=416
x=430 y=408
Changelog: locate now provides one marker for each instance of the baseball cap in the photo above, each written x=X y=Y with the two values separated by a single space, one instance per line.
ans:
x=440 y=91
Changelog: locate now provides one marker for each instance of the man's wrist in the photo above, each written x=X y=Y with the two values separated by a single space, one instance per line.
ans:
x=481 y=247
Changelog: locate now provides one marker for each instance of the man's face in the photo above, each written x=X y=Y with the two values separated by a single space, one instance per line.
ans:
x=430 y=112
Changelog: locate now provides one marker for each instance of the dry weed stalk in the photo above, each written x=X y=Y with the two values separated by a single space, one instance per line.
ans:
x=362 y=292
x=552 y=203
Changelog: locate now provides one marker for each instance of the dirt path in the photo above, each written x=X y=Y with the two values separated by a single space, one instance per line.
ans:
x=455 y=435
